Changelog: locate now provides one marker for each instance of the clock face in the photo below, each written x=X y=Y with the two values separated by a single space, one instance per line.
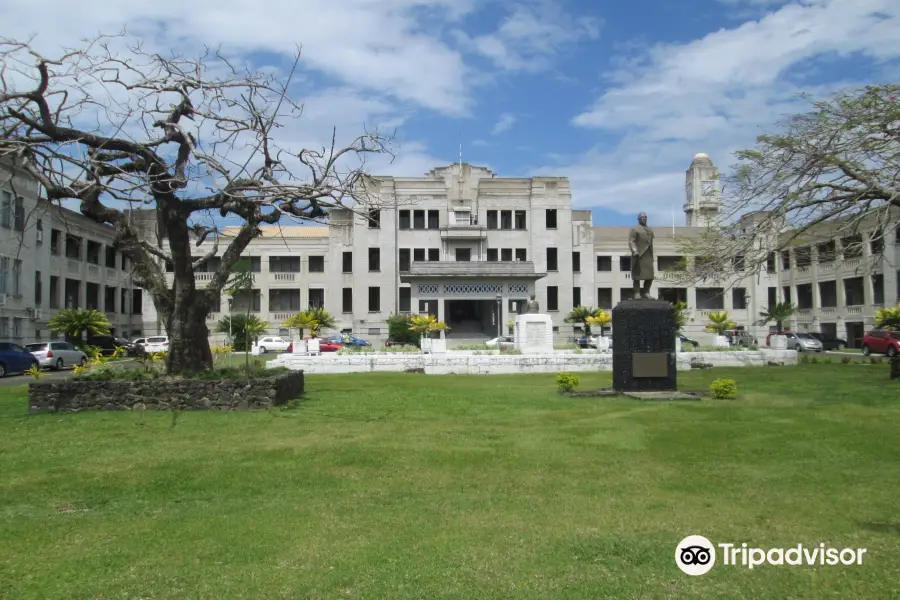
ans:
x=709 y=188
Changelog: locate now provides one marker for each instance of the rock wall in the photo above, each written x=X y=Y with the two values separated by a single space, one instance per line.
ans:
x=162 y=394
x=466 y=364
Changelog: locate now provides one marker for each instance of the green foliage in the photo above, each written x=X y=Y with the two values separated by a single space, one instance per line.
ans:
x=314 y=319
x=566 y=382
x=719 y=323
x=846 y=360
x=426 y=324
x=888 y=318
x=681 y=314
x=723 y=389
x=588 y=317
x=243 y=328
x=35 y=372
x=231 y=372
x=777 y=313
x=72 y=322
x=399 y=329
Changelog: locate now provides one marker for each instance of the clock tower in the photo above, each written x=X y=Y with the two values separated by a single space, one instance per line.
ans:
x=702 y=192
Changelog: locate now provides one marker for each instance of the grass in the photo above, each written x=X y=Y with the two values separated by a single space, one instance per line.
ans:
x=406 y=486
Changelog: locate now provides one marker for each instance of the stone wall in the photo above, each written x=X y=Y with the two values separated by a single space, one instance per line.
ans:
x=162 y=394
x=498 y=364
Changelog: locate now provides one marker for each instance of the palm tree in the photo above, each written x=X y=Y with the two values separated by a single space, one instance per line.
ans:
x=719 y=323
x=588 y=316
x=779 y=312
x=72 y=322
x=314 y=319
x=243 y=327
x=681 y=315
x=425 y=324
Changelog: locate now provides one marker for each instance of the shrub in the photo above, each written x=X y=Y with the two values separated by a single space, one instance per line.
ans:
x=566 y=382
x=723 y=389
x=846 y=360
x=35 y=372
x=876 y=360
x=813 y=359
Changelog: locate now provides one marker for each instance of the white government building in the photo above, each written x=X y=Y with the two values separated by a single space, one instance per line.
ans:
x=460 y=243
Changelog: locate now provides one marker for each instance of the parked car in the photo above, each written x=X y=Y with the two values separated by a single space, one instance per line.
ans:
x=326 y=345
x=158 y=343
x=882 y=342
x=399 y=343
x=802 y=342
x=348 y=339
x=686 y=341
x=829 y=343
x=15 y=359
x=108 y=345
x=740 y=337
x=56 y=355
x=271 y=342
x=503 y=343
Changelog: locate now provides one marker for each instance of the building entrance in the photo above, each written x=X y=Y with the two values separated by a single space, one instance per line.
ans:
x=471 y=318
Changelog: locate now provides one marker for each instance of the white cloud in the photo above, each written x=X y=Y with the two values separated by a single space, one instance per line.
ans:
x=714 y=95
x=504 y=123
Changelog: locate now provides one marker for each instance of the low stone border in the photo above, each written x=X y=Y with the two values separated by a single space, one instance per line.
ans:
x=165 y=394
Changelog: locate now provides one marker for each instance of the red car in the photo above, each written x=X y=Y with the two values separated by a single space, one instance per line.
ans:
x=324 y=346
x=881 y=342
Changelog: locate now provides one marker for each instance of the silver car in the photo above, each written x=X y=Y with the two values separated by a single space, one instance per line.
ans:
x=804 y=342
x=57 y=355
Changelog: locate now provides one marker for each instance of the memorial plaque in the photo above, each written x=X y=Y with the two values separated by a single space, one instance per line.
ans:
x=650 y=364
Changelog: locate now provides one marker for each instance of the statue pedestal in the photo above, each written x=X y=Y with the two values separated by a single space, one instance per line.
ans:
x=534 y=333
x=644 y=352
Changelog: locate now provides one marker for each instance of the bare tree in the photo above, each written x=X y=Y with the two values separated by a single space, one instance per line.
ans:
x=189 y=138
x=833 y=172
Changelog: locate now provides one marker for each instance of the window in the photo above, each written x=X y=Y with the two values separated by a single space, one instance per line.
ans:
x=109 y=299
x=434 y=254
x=492 y=219
x=492 y=255
x=785 y=260
x=374 y=331
x=375 y=299
x=110 y=258
x=521 y=254
x=19 y=215
x=375 y=219
x=347 y=300
x=625 y=263
x=576 y=297
x=876 y=246
x=428 y=307
x=826 y=251
x=434 y=219
x=17 y=328
x=506 y=254
x=55 y=235
x=347 y=262
x=786 y=293
x=739 y=298
x=419 y=255
x=802 y=256
x=552 y=259
x=5 y=209
x=878 y=289
x=123 y=301
x=552 y=297
x=520 y=219
x=773 y=296
x=405 y=300
x=284 y=264
x=39 y=227
x=852 y=246
x=38 y=289
x=738 y=262
x=505 y=219
x=137 y=301
x=4 y=275
x=17 y=278
x=418 y=219
x=710 y=299
x=404 y=219
x=316 y=298
x=316 y=264
x=54 y=291
x=604 y=263
x=403 y=259
x=374 y=260
x=463 y=254
x=604 y=298
x=551 y=218
x=576 y=262
x=770 y=263
x=462 y=217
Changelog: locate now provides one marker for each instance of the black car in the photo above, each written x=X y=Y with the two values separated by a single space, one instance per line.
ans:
x=398 y=343
x=108 y=345
x=829 y=343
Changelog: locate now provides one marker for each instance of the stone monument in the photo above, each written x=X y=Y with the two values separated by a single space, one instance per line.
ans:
x=640 y=242
x=534 y=331
x=644 y=346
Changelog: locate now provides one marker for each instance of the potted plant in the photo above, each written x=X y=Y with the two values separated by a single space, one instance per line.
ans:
x=427 y=325
x=719 y=323
x=779 y=313
x=600 y=319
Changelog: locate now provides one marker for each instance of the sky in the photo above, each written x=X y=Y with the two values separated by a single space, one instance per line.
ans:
x=617 y=96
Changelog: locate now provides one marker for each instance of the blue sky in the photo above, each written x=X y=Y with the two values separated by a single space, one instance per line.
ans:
x=617 y=96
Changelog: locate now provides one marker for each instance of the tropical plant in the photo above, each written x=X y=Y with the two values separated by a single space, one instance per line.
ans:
x=180 y=137
x=72 y=322
x=426 y=324
x=511 y=326
x=314 y=319
x=601 y=319
x=719 y=323
x=243 y=329
x=36 y=372
x=888 y=318
x=681 y=315
x=779 y=313
x=587 y=316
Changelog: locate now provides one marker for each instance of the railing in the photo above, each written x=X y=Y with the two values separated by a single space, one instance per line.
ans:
x=74 y=266
x=829 y=266
x=854 y=310
x=877 y=307
x=851 y=262
x=280 y=317
x=671 y=275
x=802 y=270
x=110 y=273
x=94 y=270
x=804 y=312
x=285 y=276
x=828 y=311
x=203 y=276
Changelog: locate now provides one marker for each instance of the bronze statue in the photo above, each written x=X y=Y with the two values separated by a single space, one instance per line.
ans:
x=532 y=307
x=640 y=242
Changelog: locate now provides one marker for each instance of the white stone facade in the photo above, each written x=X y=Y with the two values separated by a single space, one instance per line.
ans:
x=51 y=258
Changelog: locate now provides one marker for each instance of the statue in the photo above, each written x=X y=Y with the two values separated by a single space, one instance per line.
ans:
x=532 y=307
x=640 y=242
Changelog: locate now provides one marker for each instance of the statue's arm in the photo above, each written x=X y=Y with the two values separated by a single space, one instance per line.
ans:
x=632 y=241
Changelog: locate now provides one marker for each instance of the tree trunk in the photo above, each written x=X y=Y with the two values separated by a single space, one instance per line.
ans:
x=188 y=335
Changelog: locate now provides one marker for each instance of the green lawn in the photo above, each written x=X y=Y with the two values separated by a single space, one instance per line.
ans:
x=403 y=486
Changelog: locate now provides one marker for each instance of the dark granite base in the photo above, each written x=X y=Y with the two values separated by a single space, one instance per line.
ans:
x=644 y=351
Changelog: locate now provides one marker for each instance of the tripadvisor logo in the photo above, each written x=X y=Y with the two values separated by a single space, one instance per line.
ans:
x=696 y=555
